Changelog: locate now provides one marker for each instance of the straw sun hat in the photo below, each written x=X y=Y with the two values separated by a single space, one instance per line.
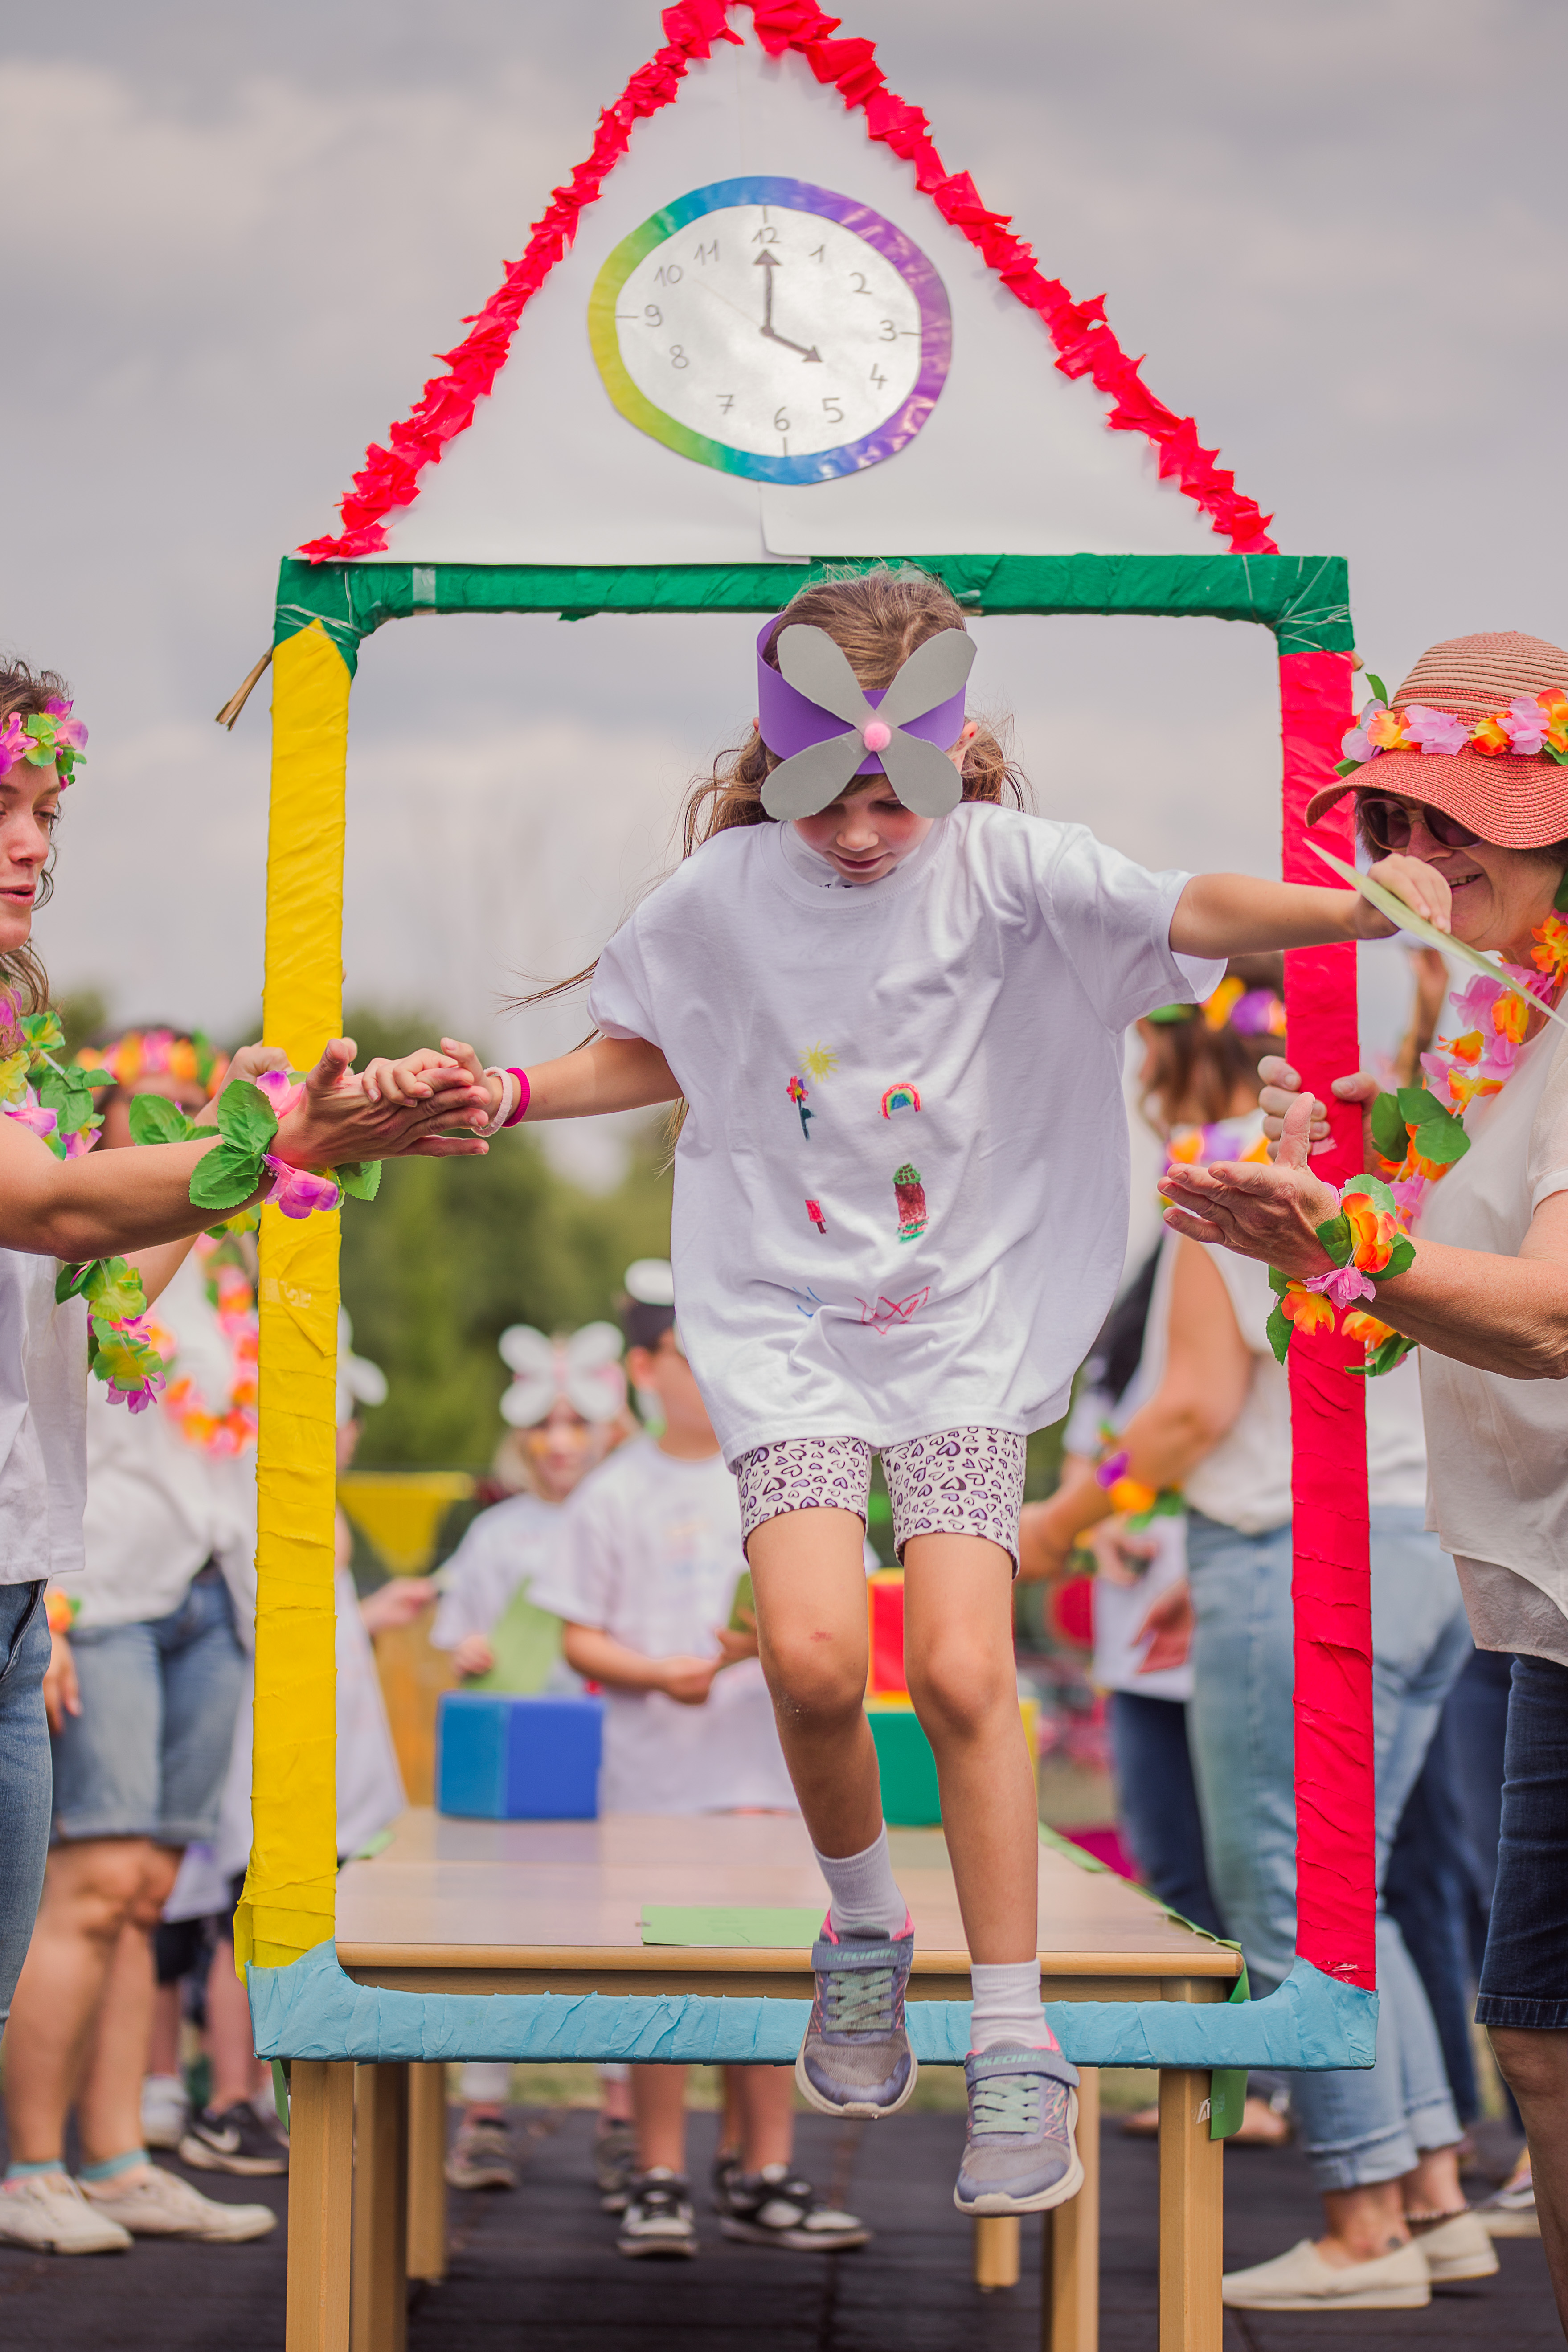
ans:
x=1517 y=801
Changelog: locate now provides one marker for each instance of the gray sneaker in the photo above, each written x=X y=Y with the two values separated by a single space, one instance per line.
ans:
x=856 y=2058
x=1019 y=2157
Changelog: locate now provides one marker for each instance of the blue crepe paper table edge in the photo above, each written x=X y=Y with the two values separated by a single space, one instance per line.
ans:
x=312 y=2010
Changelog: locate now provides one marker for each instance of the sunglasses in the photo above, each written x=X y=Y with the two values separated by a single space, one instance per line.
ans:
x=1388 y=824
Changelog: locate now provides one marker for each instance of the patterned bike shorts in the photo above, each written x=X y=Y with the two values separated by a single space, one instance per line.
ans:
x=957 y=1482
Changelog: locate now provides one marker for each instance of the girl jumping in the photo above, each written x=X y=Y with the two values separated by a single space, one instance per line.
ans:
x=894 y=1005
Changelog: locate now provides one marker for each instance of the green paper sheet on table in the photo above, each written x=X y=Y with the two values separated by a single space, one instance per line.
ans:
x=737 y=1929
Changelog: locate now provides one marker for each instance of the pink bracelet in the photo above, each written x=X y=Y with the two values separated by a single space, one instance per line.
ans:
x=524 y=1095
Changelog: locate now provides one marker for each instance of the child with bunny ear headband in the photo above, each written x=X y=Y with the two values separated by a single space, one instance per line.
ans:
x=895 y=1010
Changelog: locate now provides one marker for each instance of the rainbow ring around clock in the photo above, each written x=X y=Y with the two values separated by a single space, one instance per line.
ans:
x=772 y=329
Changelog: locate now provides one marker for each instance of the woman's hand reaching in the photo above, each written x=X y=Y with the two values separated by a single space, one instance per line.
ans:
x=1420 y=885
x=1267 y=1212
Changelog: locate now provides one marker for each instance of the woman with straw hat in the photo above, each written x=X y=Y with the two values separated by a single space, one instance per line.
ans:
x=1466 y=768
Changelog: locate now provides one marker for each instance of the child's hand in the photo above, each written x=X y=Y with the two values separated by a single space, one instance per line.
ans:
x=469 y=1063
x=395 y=1603
x=61 y=1696
x=414 y=1078
x=688 y=1680
x=733 y=1646
x=1282 y=1086
x=1121 y=1558
x=1419 y=885
x=1168 y=1630
x=473 y=1654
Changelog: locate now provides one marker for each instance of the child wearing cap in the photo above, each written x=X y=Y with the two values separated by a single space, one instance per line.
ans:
x=645 y=1575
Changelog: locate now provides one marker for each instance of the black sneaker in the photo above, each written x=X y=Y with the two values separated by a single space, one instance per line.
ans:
x=615 y=2161
x=235 y=2141
x=659 y=2219
x=777 y=2208
x=726 y=2172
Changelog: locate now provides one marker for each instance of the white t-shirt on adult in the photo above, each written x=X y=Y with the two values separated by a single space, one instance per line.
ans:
x=503 y=1550
x=650 y=1553
x=43 y=1410
x=1246 y=1481
x=1497 y=1484
x=936 y=1241
x=158 y=1507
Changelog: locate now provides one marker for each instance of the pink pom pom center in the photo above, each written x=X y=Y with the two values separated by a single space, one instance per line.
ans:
x=876 y=736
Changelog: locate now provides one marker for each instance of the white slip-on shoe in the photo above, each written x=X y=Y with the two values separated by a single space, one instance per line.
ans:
x=49 y=2211
x=1302 y=2280
x=1457 y=2247
x=158 y=2204
x=165 y=2110
x=1510 y=2212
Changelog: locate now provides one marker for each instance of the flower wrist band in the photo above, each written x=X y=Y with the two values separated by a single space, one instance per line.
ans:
x=1368 y=1244
x=248 y=1118
x=1131 y=1498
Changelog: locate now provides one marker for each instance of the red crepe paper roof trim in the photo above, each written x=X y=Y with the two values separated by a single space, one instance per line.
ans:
x=1085 y=343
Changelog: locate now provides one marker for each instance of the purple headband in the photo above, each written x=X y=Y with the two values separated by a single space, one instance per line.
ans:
x=825 y=728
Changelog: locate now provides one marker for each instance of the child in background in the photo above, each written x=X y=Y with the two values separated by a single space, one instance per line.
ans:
x=895 y=1009
x=645 y=1576
x=566 y=1406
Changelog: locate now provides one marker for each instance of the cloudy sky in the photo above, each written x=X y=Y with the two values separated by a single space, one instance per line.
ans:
x=234 y=235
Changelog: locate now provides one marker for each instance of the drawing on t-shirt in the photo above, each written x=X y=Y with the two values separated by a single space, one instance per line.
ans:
x=814 y=1212
x=820 y=1061
x=807 y=1301
x=798 y=1092
x=889 y=1311
x=910 y=1194
x=903 y=1097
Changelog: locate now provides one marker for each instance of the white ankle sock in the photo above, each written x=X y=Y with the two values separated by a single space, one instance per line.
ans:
x=864 y=1894
x=1007 y=2006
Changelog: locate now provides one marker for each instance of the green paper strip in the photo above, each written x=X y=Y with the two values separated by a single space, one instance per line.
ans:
x=1387 y=902
x=732 y=1929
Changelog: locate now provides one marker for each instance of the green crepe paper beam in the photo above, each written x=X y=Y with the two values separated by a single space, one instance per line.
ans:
x=1304 y=599
x=313 y=2010
x=751 y=1929
x=1389 y=903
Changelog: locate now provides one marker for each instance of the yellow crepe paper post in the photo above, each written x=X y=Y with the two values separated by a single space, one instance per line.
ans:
x=1389 y=903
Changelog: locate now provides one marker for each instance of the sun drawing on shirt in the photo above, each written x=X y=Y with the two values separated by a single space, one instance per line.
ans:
x=821 y=1061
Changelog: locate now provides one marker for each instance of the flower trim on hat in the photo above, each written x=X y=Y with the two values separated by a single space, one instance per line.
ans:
x=40 y=737
x=248 y=1118
x=1532 y=727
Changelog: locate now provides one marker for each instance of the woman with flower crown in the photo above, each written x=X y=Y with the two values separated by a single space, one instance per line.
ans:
x=1465 y=769
x=61 y=1201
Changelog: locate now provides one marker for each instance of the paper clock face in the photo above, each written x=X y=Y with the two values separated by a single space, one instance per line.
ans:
x=772 y=329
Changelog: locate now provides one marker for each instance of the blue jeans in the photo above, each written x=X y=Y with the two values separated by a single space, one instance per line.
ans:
x=25 y=1776
x=1525 y=1976
x=1158 y=1803
x=148 y=1755
x=1357 y=2128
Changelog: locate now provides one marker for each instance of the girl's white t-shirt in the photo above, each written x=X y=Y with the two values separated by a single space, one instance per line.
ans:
x=900 y=1191
x=504 y=1548
x=650 y=1552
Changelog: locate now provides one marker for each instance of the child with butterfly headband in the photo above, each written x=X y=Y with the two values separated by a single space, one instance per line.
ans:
x=894 y=1005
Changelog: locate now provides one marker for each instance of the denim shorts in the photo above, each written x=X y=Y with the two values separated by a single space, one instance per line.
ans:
x=957 y=1482
x=1524 y=1975
x=148 y=1755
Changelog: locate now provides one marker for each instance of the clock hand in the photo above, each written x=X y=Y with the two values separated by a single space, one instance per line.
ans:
x=765 y=260
x=812 y=353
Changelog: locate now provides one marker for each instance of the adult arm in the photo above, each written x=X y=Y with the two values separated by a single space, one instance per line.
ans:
x=127 y=1201
x=1236 y=914
x=599 y=1656
x=1507 y=1315
x=1207 y=1373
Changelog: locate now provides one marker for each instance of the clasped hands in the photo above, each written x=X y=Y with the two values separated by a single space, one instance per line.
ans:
x=434 y=1104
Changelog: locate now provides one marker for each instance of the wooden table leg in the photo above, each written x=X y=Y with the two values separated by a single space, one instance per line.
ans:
x=997 y=2257
x=321 y=2203
x=379 y=2306
x=1192 y=2216
x=427 y=2172
x=1070 y=2264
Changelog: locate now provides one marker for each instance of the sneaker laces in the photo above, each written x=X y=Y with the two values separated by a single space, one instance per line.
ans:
x=1006 y=2103
x=858 y=2000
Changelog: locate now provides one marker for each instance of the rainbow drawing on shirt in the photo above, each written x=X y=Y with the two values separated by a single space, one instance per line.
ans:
x=814 y=1212
x=798 y=1092
x=903 y=1097
x=889 y=1311
x=820 y=1061
x=910 y=1194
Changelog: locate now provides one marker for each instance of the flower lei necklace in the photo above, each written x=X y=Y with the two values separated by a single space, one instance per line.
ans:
x=232 y=1295
x=1416 y=1138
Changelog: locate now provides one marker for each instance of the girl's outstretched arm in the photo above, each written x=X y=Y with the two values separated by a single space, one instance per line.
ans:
x=1236 y=914
x=608 y=1074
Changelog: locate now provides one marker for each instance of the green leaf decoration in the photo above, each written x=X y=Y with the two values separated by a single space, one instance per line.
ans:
x=1278 y=1282
x=1348 y=767
x=361 y=1179
x=244 y=1117
x=228 y=1176
x=69 y=1280
x=1387 y=1354
x=1419 y=1107
x=113 y=1290
x=1406 y=919
x=155 y=1120
x=1336 y=1237
x=1375 y=1190
x=1442 y=1142
x=1278 y=1329
x=1388 y=1127
x=1379 y=691
x=43 y=1032
x=1401 y=1260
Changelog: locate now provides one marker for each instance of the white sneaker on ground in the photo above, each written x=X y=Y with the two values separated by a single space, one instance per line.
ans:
x=1457 y=2247
x=1510 y=2213
x=47 y=2210
x=165 y=2110
x=158 y=2204
x=1302 y=2280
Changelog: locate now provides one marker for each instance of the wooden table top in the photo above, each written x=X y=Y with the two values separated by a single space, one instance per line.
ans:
x=524 y=1904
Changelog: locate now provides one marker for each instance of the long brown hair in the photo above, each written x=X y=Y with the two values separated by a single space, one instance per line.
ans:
x=877 y=618
x=1196 y=1068
x=25 y=691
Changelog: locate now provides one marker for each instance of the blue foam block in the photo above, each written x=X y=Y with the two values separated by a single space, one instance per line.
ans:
x=503 y=1758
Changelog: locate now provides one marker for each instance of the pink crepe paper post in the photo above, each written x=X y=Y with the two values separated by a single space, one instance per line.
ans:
x=1335 y=1798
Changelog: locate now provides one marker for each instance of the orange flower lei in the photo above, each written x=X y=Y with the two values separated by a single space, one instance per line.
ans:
x=230 y=1293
